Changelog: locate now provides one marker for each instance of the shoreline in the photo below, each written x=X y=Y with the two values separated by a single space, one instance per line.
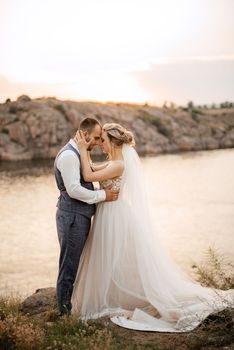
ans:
x=37 y=167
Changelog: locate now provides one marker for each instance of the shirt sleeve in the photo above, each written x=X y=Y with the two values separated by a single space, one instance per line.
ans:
x=69 y=166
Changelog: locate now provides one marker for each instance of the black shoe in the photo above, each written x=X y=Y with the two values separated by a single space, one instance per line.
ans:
x=66 y=311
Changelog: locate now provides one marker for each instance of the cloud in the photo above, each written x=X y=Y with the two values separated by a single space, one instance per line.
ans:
x=182 y=59
x=206 y=80
x=164 y=60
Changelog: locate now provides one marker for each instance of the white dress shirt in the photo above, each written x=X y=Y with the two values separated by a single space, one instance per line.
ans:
x=69 y=166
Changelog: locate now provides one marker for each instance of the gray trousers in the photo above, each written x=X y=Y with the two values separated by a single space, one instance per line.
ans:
x=73 y=229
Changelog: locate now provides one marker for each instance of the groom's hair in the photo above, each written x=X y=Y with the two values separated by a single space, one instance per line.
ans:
x=88 y=124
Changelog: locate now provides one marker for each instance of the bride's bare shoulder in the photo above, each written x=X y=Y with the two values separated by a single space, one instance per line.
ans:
x=116 y=164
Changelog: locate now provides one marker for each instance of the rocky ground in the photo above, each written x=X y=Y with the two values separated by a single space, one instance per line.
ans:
x=37 y=128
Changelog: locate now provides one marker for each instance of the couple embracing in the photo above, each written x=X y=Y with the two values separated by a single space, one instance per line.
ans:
x=114 y=266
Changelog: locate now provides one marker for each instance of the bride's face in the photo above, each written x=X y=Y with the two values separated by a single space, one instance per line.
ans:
x=105 y=143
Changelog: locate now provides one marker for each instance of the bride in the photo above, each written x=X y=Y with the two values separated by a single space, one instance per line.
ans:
x=124 y=272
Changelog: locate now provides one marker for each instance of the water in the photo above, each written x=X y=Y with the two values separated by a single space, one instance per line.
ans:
x=191 y=196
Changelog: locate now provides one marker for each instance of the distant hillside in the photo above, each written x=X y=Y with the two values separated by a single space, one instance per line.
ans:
x=37 y=128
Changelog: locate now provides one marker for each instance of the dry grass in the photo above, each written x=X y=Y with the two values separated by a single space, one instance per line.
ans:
x=215 y=272
x=18 y=331
x=23 y=332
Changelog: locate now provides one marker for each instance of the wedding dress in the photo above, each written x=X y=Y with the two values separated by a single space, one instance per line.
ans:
x=124 y=273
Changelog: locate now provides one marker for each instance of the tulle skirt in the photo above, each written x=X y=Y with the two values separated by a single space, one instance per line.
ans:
x=125 y=274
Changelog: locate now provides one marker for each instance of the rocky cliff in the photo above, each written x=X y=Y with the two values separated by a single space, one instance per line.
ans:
x=37 y=128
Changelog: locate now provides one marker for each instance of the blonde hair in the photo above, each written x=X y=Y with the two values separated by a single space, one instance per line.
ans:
x=118 y=135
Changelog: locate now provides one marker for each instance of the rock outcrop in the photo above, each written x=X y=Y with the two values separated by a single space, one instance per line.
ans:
x=40 y=303
x=36 y=129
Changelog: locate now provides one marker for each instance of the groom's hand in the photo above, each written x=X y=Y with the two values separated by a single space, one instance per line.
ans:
x=111 y=195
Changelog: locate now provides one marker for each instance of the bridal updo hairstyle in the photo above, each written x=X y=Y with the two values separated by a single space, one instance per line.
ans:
x=118 y=135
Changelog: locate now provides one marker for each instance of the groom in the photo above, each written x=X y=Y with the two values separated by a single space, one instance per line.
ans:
x=76 y=206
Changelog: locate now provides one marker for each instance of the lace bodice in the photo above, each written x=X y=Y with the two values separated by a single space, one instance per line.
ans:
x=114 y=183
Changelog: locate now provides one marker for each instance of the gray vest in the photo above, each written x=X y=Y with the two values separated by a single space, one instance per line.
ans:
x=65 y=202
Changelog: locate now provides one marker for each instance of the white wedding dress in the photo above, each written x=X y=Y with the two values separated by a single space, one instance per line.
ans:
x=125 y=274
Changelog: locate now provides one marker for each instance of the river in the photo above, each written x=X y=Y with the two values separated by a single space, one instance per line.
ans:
x=191 y=197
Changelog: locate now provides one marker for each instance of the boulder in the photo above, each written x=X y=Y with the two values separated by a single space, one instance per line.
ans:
x=42 y=301
x=184 y=143
x=23 y=98
x=18 y=132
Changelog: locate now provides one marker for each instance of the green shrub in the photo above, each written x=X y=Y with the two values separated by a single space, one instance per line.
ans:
x=60 y=107
x=194 y=112
x=157 y=122
x=13 y=109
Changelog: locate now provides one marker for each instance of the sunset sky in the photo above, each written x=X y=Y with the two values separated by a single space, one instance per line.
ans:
x=118 y=50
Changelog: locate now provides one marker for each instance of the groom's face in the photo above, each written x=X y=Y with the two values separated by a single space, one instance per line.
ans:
x=95 y=134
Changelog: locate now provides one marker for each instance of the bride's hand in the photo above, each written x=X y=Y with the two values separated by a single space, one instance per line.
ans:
x=79 y=139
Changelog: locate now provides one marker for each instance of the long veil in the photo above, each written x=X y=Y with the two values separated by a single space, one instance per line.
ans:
x=181 y=302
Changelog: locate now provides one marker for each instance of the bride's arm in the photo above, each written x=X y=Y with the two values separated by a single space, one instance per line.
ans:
x=109 y=172
x=97 y=167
